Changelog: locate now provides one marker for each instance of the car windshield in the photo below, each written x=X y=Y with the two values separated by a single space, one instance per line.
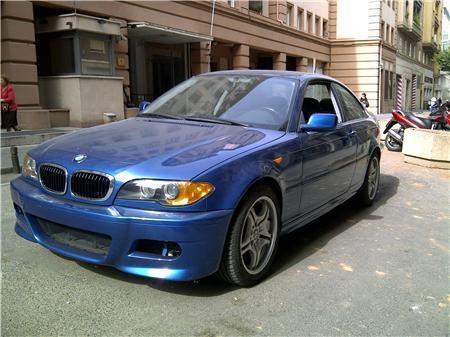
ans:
x=252 y=100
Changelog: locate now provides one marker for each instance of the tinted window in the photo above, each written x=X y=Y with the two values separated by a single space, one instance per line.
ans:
x=317 y=99
x=253 y=100
x=350 y=106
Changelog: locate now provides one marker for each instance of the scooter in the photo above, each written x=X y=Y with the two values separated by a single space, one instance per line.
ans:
x=400 y=121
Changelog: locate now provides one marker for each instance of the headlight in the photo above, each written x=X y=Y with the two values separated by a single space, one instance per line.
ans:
x=173 y=193
x=29 y=167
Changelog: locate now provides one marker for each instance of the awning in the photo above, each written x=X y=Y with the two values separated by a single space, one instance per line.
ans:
x=162 y=34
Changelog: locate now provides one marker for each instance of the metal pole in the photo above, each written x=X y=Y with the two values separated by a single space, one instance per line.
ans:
x=15 y=159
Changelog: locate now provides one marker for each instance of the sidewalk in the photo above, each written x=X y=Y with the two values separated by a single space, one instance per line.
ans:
x=24 y=141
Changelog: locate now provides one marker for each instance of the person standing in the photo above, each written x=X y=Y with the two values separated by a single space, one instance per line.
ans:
x=364 y=100
x=434 y=106
x=9 y=106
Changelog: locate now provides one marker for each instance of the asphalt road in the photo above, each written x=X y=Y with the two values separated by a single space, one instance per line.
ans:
x=377 y=271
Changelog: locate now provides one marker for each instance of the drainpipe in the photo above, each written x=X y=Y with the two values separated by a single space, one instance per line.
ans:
x=211 y=31
x=212 y=17
x=380 y=72
x=380 y=66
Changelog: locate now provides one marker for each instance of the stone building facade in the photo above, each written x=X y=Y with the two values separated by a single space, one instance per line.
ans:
x=70 y=62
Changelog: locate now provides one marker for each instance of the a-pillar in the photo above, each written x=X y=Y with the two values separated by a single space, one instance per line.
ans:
x=279 y=61
x=241 y=57
x=19 y=62
x=302 y=64
x=200 y=57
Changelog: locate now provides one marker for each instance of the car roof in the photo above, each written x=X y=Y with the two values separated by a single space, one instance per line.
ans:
x=271 y=73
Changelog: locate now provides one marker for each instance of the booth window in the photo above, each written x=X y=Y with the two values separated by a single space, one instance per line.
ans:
x=62 y=58
x=74 y=53
x=95 y=55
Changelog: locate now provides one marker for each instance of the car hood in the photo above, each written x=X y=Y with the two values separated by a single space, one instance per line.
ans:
x=153 y=148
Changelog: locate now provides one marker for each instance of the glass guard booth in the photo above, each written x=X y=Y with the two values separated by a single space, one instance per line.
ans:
x=159 y=58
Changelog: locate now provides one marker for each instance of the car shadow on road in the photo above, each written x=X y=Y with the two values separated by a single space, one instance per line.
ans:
x=293 y=247
x=206 y=287
x=307 y=240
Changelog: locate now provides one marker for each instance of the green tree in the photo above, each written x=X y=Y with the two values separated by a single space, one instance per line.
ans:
x=443 y=59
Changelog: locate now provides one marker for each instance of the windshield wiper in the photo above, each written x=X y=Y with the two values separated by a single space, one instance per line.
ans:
x=160 y=115
x=213 y=120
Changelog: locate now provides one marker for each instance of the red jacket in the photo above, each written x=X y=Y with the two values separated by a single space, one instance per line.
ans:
x=9 y=96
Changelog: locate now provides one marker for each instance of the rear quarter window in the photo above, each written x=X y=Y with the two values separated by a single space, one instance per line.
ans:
x=350 y=106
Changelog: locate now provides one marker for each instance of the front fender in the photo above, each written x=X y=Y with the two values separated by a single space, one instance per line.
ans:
x=234 y=178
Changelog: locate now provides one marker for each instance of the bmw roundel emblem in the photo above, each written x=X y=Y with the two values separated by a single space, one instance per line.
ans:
x=79 y=158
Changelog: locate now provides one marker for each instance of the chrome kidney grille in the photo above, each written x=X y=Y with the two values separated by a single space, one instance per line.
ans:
x=53 y=178
x=91 y=185
x=84 y=184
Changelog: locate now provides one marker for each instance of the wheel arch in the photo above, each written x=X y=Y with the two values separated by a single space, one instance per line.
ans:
x=269 y=181
x=376 y=151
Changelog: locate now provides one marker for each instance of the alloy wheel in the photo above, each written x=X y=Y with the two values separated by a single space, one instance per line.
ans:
x=258 y=235
x=373 y=177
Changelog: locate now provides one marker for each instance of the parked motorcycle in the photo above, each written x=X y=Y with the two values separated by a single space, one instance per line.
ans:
x=400 y=121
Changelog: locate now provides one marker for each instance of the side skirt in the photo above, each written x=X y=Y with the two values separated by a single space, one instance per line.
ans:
x=304 y=219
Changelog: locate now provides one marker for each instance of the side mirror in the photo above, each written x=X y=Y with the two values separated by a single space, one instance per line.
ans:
x=320 y=122
x=143 y=105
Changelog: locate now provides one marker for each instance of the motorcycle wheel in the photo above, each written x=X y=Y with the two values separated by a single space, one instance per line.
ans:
x=392 y=144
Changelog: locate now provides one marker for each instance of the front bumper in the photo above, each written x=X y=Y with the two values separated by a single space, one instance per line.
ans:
x=200 y=235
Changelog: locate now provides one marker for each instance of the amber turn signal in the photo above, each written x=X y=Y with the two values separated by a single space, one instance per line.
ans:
x=190 y=192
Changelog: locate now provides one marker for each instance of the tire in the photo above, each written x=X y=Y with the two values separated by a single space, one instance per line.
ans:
x=240 y=264
x=368 y=191
x=392 y=144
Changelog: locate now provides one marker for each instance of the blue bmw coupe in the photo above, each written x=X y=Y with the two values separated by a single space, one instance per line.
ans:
x=205 y=179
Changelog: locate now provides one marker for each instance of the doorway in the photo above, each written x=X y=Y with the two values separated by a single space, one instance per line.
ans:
x=165 y=67
x=155 y=68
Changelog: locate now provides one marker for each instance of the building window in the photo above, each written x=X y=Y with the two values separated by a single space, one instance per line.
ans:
x=290 y=15
x=231 y=3
x=388 y=84
x=382 y=30
x=417 y=13
x=256 y=6
x=324 y=28
x=392 y=36
x=309 y=22
x=388 y=31
x=300 y=25
x=317 y=25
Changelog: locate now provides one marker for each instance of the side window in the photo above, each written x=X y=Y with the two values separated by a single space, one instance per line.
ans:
x=317 y=99
x=351 y=108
